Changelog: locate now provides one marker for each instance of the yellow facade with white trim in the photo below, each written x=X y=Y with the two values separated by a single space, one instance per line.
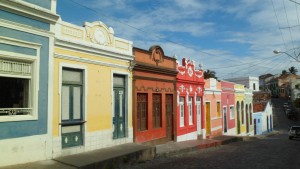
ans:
x=94 y=50
x=239 y=93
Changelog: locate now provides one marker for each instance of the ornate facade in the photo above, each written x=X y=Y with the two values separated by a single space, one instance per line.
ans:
x=154 y=96
x=190 y=114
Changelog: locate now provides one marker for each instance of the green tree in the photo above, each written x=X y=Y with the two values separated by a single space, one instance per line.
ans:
x=209 y=74
x=293 y=70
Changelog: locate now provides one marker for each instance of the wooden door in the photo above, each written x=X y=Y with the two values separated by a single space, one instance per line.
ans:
x=119 y=113
x=169 y=116
x=156 y=111
x=207 y=110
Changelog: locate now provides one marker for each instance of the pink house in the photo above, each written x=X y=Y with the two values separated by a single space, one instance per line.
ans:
x=212 y=104
x=228 y=102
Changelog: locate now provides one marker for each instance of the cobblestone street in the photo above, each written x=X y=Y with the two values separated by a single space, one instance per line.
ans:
x=274 y=151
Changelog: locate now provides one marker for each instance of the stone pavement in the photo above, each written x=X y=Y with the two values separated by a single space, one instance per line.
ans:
x=115 y=157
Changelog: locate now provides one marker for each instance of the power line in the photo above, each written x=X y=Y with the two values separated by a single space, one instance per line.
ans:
x=288 y=23
x=278 y=24
x=147 y=33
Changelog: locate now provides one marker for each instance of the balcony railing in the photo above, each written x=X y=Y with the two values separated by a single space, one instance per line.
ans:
x=15 y=111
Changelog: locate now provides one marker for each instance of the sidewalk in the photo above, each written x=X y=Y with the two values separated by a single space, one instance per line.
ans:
x=114 y=157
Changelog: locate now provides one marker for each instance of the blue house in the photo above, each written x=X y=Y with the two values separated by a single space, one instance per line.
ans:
x=263 y=117
x=257 y=117
x=26 y=56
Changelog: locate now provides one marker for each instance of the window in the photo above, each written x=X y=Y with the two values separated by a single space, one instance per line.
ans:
x=181 y=109
x=156 y=111
x=231 y=112
x=253 y=86
x=72 y=107
x=142 y=111
x=190 y=106
x=18 y=95
x=219 y=109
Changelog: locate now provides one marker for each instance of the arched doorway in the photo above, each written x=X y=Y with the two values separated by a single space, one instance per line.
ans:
x=238 y=117
x=247 y=119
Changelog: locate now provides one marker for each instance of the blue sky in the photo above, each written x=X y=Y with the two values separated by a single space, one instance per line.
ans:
x=232 y=37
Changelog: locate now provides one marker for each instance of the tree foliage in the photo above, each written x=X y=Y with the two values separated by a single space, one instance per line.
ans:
x=209 y=74
x=293 y=70
x=284 y=72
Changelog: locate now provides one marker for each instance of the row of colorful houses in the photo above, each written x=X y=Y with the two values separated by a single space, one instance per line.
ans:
x=68 y=89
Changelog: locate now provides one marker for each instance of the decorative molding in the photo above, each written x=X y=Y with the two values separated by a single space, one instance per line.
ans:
x=189 y=67
x=157 y=54
x=90 y=61
x=29 y=10
x=25 y=28
x=153 y=79
x=99 y=33
x=153 y=89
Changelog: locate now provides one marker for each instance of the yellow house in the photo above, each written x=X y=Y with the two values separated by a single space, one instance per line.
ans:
x=239 y=93
x=91 y=88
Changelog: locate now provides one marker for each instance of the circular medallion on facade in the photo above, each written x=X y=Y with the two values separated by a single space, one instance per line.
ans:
x=190 y=71
x=100 y=36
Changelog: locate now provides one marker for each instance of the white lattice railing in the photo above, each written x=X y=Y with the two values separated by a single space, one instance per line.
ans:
x=15 y=111
x=15 y=67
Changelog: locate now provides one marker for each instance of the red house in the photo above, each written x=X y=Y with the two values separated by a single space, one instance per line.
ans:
x=228 y=102
x=154 y=96
x=190 y=87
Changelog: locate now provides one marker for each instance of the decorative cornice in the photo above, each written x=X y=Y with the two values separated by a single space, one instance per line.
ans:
x=154 y=69
x=26 y=9
x=91 y=49
x=152 y=79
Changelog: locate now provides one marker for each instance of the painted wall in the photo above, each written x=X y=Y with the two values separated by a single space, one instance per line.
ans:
x=190 y=83
x=267 y=119
x=99 y=59
x=257 y=117
x=228 y=100
x=249 y=110
x=26 y=33
x=212 y=95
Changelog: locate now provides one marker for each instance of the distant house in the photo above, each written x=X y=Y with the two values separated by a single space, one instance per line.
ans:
x=262 y=113
x=279 y=86
x=249 y=82
x=262 y=80
x=294 y=86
